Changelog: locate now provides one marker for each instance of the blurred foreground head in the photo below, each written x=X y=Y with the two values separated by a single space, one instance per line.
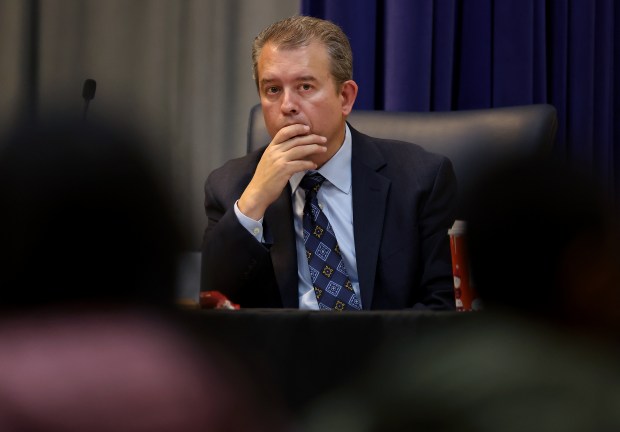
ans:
x=116 y=371
x=83 y=218
x=543 y=239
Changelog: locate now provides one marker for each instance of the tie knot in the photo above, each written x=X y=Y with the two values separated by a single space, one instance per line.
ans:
x=312 y=182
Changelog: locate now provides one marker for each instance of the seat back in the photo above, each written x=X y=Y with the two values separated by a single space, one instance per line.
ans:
x=474 y=140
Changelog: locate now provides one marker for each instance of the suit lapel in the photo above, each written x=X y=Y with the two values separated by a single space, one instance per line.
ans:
x=279 y=220
x=370 y=192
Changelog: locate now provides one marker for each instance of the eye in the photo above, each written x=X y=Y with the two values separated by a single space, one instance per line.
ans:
x=306 y=87
x=272 y=90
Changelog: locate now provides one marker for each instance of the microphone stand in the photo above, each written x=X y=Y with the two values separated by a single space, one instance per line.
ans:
x=88 y=93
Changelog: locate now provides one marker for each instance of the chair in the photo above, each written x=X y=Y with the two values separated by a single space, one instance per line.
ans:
x=474 y=140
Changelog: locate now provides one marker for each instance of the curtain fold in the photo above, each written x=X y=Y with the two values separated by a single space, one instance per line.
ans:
x=444 y=54
x=453 y=54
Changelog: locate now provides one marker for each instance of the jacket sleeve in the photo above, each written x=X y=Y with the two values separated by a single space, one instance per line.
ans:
x=436 y=217
x=233 y=261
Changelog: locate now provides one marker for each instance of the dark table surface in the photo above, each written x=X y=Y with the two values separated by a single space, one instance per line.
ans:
x=282 y=349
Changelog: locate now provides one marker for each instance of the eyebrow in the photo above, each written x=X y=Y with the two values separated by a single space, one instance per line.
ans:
x=306 y=78
x=266 y=81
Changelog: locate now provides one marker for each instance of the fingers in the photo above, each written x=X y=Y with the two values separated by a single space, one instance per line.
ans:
x=290 y=131
x=300 y=151
x=291 y=150
x=292 y=157
x=295 y=143
x=296 y=135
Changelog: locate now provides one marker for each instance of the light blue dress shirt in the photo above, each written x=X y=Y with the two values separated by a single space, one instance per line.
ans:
x=336 y=199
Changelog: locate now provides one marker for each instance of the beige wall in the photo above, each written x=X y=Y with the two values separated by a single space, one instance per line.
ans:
x=13 y=39
x=180 y=70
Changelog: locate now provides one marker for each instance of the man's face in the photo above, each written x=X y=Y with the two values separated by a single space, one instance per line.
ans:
x=296 y=86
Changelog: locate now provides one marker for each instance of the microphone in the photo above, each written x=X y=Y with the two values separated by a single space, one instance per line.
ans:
x=88 y=93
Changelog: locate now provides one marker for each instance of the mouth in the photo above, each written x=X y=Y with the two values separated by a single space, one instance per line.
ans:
x=294 y=123
x=299 y=123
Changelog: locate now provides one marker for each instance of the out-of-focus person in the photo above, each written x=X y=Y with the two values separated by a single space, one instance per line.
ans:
x=84 y=218
x=114 y=370
x=543 y=353
x=543 y=240
x=89 y=336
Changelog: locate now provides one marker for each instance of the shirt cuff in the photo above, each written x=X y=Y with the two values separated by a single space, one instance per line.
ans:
x=254 y=227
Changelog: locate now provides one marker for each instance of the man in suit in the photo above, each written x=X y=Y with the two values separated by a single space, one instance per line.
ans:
x=389 y=203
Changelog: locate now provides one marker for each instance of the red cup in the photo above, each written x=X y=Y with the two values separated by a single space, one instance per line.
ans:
x=464 y=293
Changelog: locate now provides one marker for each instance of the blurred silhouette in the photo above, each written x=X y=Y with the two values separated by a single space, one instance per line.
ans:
x=543 y=355
x=89 y=337
x=115 y=370
x=83 y=218
x=543 y=240
x=480 y=372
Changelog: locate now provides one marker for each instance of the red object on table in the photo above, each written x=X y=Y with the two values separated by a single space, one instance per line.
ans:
x=465 y=295
x=215 y=300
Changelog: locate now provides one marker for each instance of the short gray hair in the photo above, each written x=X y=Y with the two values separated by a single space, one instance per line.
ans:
x=299 y=31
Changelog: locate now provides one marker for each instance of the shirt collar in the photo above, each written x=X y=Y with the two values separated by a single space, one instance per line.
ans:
x=337 y=170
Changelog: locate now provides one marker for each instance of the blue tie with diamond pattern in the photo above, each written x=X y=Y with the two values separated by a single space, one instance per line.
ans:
x=328 y=273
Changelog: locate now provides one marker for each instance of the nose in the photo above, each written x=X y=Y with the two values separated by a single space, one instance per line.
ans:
x=289 y=102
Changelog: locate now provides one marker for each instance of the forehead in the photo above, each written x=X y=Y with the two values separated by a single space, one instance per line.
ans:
x=278 y=62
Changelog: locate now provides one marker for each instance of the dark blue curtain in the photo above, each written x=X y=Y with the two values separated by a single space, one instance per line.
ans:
x=434 y=55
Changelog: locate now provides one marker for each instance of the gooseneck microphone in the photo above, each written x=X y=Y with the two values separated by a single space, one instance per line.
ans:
x=88 y=93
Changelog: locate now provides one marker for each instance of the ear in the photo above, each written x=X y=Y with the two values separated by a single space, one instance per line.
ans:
x=348 y=93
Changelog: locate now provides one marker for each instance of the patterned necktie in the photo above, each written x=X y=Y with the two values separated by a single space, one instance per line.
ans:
x=330 y=280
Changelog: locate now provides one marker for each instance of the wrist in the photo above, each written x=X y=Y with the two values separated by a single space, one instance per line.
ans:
x=251 y=207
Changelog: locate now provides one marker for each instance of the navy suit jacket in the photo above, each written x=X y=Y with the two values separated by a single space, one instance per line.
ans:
x=403 y=205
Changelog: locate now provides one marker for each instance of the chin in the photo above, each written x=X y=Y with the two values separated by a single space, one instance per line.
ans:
x=319 y=162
